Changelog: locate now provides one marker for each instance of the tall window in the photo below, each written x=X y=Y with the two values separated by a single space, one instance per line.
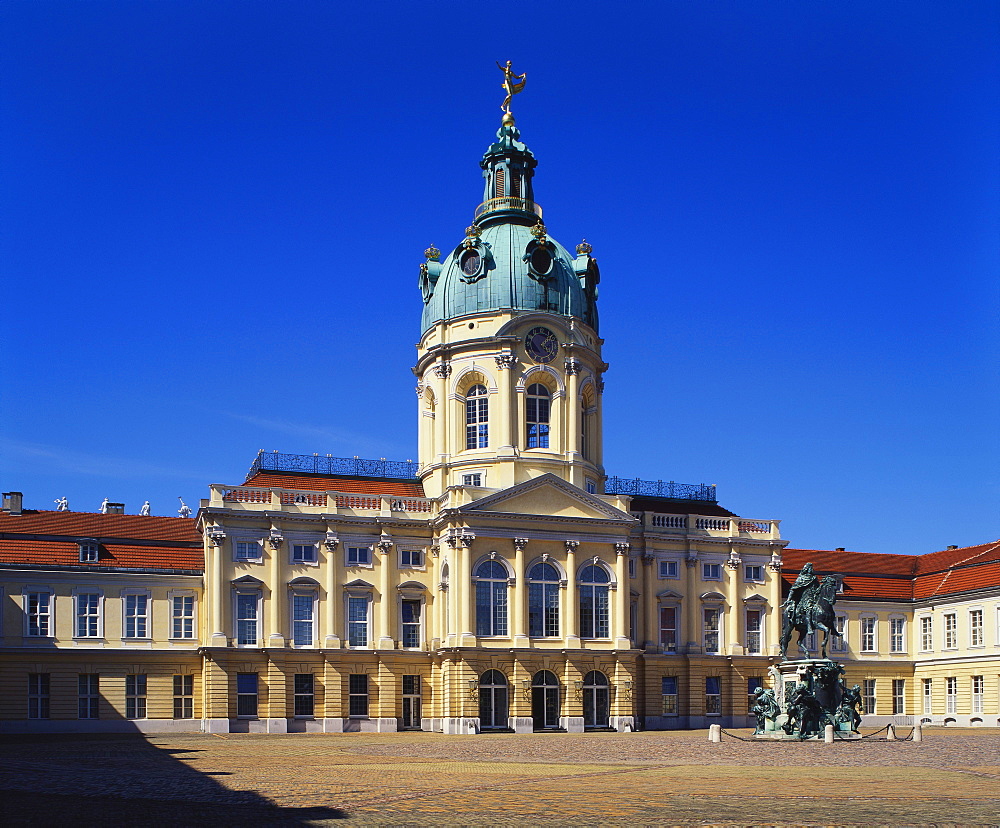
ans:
x=713 y=696
x=247 y=608
x=868 y=696
x=594 y=618
x=585 y=434
x=491 y=599
x=538 y=404
x=411 y=624
x=668 y=690
x=897 y=640
x=668 y=629
x=182 y=616
x=246 y=694
x=184 y=697
x=754 y=619
x=88 y=615
x=38 y=695
x=38 y=608
x=305 y=694
x=950 y=631
x=477 y=418
x=136 y=616
x=543 y=601
x=976 y=628
x=978 y=686
x=88 y=695
x=926 y=633
x=357 y=620
x=303 y=612
x=898 y=697
x=358 y=694
x=928 y=696
x=711 y=618
x=951 y=694
x=868 y=635
x=839 y=643
x=135 y=696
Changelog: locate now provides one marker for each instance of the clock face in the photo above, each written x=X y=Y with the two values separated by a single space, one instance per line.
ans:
x=471 y=260
x=541 y=344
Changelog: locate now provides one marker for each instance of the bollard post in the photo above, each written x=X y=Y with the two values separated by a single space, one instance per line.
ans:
x=890 y=733
x=828 y=734
x=918 y=733
x=715 y=733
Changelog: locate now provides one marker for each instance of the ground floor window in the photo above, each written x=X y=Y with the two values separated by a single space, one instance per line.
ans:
x=898 y=696
x=305 y=694
x=411 y=702
x=135 y=696
x=358 y=694
x=951 y=695
x=38 y=695
x=868 y=696
x=713 y=696
x=928 y=697
x=88 y=695
x=669 y=693
x=754 y=683
x=246 y=694
x=977 y=694
x=184 y=697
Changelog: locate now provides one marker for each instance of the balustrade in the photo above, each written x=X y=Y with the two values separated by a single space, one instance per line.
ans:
x=328 y=502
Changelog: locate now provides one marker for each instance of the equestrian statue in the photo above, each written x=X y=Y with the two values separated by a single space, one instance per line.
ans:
x=808 y=608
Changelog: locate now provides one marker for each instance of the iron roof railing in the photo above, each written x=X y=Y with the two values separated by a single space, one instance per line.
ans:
x=659 y=488
x=326 y=464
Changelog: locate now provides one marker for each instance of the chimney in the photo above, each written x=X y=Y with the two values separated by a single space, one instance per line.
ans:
x=840 y=549
x=953 y=546
x=12 y=502
x=116 y=509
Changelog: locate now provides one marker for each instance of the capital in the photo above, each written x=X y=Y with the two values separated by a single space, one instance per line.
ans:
x=520 y=543
x=622 y=548
x=384 y=546
x=571 y=545
x=572 y=367
x=505 y=361
x=442 y=370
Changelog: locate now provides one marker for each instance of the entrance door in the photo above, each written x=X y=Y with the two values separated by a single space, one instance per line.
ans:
x=545 y=701
x=411 y=702
x=596 y=699
x=493 y=700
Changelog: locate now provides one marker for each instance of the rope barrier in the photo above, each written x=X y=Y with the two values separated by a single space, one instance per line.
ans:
x=837 y=735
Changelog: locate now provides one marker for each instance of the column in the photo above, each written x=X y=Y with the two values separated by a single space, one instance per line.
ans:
x=466 y=637
x=442 y=406
x=620 y=615
x=216 y=591
x=278 y=589
x=734 y=606
x=334 y=600
x=386 y=599
x=507 y=428
x=773 y=619
x=572 y=419
x=692 y=605
x=650 y=605
x=519 y=607
x=571 y=608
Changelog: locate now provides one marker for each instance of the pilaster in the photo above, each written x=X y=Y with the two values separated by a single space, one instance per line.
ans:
x=571 y=615
x=519 y=609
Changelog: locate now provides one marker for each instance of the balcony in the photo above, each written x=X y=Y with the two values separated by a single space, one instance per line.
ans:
x=504 y=203
x=712 y=527
x=252 y=498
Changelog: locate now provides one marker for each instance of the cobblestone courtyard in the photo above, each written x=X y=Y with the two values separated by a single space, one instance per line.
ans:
x=672 y=778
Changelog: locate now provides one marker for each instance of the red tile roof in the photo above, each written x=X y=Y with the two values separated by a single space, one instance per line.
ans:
x=332 y=483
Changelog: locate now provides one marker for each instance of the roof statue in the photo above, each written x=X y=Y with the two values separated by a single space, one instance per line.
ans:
x=512 y=84
x=145 y=509
x=62 y=504
x=104 y=506
x=185 y=510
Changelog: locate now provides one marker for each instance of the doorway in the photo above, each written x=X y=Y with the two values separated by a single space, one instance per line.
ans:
x=545 y=701
x=493 y=701
x=596 y=700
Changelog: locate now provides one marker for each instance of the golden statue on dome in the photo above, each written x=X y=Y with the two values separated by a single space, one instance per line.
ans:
x=512 y=84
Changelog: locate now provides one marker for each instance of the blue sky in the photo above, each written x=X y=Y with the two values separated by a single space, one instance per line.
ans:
x=213 y=215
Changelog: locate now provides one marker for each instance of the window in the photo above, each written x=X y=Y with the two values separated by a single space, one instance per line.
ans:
x=754 y=683
x=135 y=696
x=477 y=429
x=594 y=617
x=710 y=627
x=472 y=479
x=977 y=694
x=631 y=567
x=543 y=601
x=305 y=694
x=711 y=572
x=88 y=615
x=868 y=696
x=303 y=611
x=184 y=697
x=246 y=694
x=668 y=569
x=491 y=599
x=411 y=624
x=182 y=616
x=753 y=573
x=304 y=553
x=809 y=642
x=359 y=556
x=669 y=691
x=38 y=609
x=668 y=629
x=754 y=629
x=950 y=631
x=411 y=702
x=590 y=486
x=898 y=695
x=358 y=694
x=136 y=615
x=868 y=635
x=926 y=633
x=88 y=551
x=928 y=696
x=38 y=695
x=247 y=607
x=411 y=557
x=537 y=419
x=976 y=628
x=839 y=643
x=88 y=695
x=357 y=620
x=713 y=696
x=951 y=694
x=897 y=640
x=247 y=550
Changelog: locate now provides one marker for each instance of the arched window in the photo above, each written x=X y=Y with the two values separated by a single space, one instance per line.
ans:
x=491 y=599
x=493 y=700
x=594 y=602
x=584 y=433
x=596 y=700
x=543 y=601
x=477 y=428
x=537 y=410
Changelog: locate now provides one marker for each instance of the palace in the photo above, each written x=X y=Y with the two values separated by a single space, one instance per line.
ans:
x=503 y=582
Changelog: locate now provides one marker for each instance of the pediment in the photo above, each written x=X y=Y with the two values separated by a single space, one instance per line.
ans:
x=359 y=584
x=247 y=581
x=756 y=598
x=669 y=594
x=548 y=496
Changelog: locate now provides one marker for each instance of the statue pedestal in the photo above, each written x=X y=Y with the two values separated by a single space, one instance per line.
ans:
x=821 y=679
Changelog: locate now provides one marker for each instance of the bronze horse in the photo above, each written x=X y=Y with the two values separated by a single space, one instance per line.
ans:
x=814 y=611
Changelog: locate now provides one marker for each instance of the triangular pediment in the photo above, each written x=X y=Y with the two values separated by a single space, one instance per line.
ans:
x=548 y=496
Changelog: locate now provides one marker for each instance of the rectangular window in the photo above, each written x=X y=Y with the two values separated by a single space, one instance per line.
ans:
x=754 y=573
x=477 y=429
x=88 y=695
x=631 y=567
x=868 y=696
x=668 y=569
x=669 y=690
x=472 y=479
x=668 y=629
x=926 y=633
x=976 y=628
x=839 y=643
x=182 y=616
x=38 y=695
x=897 y=638
x=950 y=631
x=303 y=553
x=136 y=616
x=357 y=620
x=246 y=694
x=711 y=572
x=928 y=696
x=38 y=609
x=247 y=604
x=754 y=683
x=135 y=696
x=305 y=694
x=303 y=610
x=978 y=685
x=713 y=696
x=411 y=557
x=411 y=624
x=358 y=694
x=711 y=616
x=951 y=695
x=591 y=486
x=898 y=697
x=359 y=556
x=88 y=552
x=868 y=635
x=88 y=615
x=809 y=642
x=754 y=622
x=247 y=550
x=184 y=697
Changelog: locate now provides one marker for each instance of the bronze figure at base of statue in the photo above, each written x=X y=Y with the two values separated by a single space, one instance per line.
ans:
x=808 y=694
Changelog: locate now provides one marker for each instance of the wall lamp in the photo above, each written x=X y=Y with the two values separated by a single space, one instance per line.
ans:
x=526 y=688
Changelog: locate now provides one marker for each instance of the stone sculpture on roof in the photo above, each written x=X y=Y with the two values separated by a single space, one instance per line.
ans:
x=62 y=504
